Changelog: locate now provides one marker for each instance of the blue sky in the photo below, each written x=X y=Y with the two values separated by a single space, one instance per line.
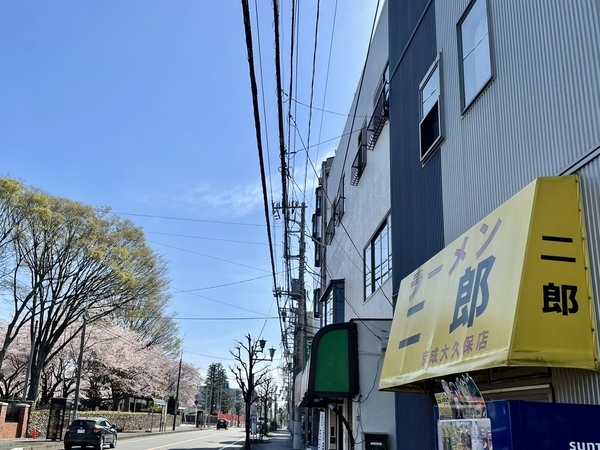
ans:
x=144 y=106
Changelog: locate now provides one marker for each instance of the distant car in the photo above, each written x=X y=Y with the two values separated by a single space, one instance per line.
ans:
x=222 y=423
x=90 y=432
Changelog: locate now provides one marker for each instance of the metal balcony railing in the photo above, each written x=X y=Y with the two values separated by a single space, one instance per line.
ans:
x=381 y=115
x=359 y=164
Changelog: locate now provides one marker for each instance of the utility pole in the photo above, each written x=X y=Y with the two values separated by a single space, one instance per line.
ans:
x=209 y=403
x=176 y=406
x=301 y=327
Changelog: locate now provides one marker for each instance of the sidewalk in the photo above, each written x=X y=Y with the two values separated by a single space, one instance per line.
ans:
x=277 y=440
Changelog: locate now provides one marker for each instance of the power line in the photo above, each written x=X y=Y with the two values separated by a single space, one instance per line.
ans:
x=327 y=75
x=254 y=89
x=226 y=284
x=224 y=303
x=205 y=238
x=312 y=92
x=227 y=318
x=188 y=219
x=207 y=256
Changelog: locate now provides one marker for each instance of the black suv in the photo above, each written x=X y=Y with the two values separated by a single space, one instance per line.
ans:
x=92 y=432
x=222 y=423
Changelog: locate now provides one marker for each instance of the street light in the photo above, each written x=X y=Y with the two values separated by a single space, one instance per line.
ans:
x=244 y=373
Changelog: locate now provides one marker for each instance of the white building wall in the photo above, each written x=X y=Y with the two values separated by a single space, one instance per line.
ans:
x=540 y=116
x=372 y=341
x=367 y=204
x=366 y=207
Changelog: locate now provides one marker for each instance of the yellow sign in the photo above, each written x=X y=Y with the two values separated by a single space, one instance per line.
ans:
x=512 y=291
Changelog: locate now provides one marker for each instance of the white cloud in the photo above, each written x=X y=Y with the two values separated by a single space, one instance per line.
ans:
x=225 y=200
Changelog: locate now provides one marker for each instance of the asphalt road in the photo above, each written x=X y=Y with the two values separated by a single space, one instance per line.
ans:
x=205 y=439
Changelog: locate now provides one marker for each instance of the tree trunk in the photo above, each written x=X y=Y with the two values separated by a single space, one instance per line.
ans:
x=247 y=442
x=34 y=382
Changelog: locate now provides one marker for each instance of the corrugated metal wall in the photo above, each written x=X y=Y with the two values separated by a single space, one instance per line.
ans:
x=540 y=113
x=538 y=117
x=583 y=386
x=417 y=221
x=416 y=191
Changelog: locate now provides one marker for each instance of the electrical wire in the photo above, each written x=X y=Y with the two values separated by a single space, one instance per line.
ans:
x=312 y=91
x=254 y=90
x=207 y=256
x=222 y=303
x=205 y=238
x=220 y=222
x=226 y=284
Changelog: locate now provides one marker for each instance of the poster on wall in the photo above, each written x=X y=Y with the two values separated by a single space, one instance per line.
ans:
x=465 y=434
x=460 y=399
x=463 y=421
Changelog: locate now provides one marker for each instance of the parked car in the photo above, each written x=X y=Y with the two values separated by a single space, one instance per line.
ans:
x=91 y=432
x=222 y=423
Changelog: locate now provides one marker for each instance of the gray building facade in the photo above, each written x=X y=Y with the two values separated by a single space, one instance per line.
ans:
x=517 y=97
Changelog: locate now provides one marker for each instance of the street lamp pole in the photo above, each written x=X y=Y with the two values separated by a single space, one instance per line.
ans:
x=253 y=349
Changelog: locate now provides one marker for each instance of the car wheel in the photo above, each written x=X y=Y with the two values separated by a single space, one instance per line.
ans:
x=113 y=444
x=100 y=445
x=68 y=446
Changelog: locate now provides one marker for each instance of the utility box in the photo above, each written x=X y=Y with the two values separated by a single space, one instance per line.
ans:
x=376 y=441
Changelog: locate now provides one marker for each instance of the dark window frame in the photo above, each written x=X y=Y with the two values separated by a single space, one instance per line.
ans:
x=377 y=268
x=464 y=102
x=431 y=119
x=333 y=303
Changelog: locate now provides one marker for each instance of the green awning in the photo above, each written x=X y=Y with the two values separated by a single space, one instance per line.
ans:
x=332 y=370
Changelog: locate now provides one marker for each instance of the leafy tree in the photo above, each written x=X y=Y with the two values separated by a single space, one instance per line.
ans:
x=147 y=316
x=237 y=401
x=68 y=260
x=216 y=376
x=9 y=215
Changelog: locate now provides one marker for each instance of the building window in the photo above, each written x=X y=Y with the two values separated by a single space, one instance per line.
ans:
x=317 y=302
x=316 y=227
x=332 y=308
x=318 y=201
x=317 y=255
x=378 y=258
x=474 y=51
x=430 y=127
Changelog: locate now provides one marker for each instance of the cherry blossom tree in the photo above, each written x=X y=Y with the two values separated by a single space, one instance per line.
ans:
x=119 y=365
x=15 y=365
x=189 y=383
x=63 y=260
